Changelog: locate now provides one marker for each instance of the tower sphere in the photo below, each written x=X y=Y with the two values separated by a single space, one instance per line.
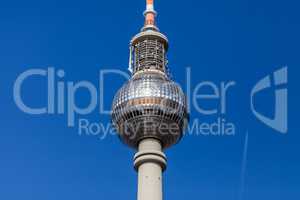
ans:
x=150 y=104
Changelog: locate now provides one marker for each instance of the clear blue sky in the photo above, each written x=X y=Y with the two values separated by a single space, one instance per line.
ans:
x=221 y=40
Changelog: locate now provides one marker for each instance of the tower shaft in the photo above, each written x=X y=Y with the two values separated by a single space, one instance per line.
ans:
x=150 y=162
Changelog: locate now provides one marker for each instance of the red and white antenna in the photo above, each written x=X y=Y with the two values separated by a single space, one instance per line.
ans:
x=150 y=15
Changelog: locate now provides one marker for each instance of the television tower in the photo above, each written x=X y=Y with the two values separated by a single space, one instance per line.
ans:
x=150 y=110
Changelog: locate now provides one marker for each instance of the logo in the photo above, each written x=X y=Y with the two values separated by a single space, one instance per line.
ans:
x=278 y=81
x=206 y=98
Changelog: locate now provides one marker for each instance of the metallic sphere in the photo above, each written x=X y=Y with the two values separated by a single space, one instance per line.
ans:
x=150 y=105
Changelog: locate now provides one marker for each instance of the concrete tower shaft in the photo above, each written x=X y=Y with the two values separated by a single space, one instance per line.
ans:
x=150 y=162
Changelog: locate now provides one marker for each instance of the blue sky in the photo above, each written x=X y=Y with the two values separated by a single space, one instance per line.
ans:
x=241 y=41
